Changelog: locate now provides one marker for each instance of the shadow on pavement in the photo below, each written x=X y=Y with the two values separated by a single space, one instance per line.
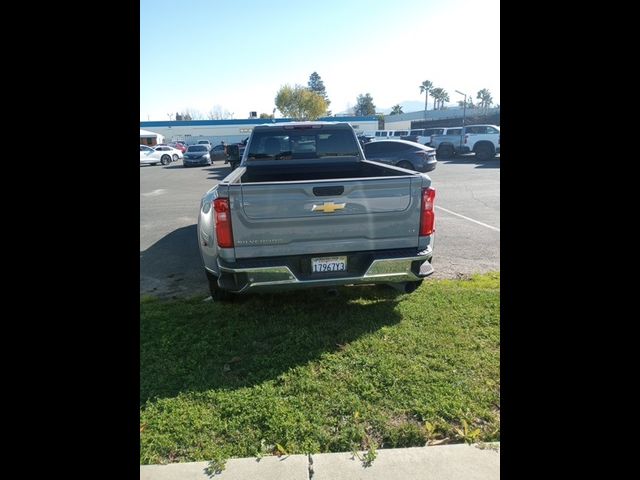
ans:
x=218 y=173
x=471 y=158
x=175 y=166
x=173 y=265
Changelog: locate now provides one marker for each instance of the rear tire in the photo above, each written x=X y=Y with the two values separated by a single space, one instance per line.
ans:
x=406 y=165
x=175 y=157
x=217 y=294
x=445 y=152
x=165 y=160
x=484 y=152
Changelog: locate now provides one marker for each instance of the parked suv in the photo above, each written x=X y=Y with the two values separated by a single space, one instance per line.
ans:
x=205 y=142
x=423 y=135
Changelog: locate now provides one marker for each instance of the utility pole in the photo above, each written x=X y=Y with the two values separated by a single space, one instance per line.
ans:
x=464 y=111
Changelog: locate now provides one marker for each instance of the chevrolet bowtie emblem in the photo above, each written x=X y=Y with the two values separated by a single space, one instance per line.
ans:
x=328 y=207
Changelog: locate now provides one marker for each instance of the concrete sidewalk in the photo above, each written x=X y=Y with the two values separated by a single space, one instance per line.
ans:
x=444 y=462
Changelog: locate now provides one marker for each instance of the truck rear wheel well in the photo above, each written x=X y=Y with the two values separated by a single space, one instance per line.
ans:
x=484 y=144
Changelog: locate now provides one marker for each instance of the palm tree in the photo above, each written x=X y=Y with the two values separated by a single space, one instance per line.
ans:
x=444 y=97
x=396 y=110
x=436 y=94
x=484 y=96
x=425 y=88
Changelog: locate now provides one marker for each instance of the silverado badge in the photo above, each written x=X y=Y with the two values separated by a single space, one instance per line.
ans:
x=328 y=207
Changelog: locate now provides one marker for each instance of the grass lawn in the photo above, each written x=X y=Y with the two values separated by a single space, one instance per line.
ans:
x=305 y=372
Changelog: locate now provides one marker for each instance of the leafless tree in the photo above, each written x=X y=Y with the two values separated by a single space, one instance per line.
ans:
x=192 y=114
x=218 y=113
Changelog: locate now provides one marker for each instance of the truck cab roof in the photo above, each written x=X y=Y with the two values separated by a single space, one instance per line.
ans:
x=301 y=125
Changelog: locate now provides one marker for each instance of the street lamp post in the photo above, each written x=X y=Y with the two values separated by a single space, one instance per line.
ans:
x=464 y=111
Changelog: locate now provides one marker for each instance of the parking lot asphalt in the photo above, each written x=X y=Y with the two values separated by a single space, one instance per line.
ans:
x=467 y=222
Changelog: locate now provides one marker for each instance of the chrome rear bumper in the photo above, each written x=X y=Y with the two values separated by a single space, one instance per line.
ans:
x=281 y=277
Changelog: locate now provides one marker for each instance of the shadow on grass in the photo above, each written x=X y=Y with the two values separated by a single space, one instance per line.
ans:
x=196 y=346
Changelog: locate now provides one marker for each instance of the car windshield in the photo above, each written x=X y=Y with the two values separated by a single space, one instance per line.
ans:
x=197 y=148
x=204 y=142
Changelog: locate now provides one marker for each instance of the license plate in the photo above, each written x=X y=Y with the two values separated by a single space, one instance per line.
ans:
x=328 y=264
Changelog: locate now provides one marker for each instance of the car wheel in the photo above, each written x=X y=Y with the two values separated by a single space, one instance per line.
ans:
x=217 y=293
x=175 y=157
x=406 y=165
x=445 y=151
x=484 y=152
x=165 y=160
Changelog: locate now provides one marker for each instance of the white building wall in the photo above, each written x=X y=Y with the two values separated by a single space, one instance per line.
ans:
x=398 y=125
x=230 y=133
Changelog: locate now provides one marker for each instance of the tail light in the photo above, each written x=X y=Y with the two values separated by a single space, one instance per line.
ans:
x=223 y=222
x=427 y=215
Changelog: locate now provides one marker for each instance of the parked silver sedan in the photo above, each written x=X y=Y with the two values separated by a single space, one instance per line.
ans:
x=196 y=155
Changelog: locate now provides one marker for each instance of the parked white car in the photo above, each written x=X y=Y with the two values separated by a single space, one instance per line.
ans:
x=150 y=156
x=174 y=152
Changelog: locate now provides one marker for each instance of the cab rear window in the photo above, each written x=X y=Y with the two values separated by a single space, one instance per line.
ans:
x=292 y=144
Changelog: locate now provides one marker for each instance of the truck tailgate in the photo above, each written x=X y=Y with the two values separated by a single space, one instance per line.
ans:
x=293 y=218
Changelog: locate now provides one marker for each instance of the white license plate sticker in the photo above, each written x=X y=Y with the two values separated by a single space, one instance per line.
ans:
x=328 y=264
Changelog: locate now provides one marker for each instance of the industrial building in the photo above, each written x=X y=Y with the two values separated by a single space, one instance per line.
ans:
x=232 y=131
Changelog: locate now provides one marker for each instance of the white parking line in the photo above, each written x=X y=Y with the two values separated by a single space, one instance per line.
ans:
x=159 y=191
x=467 y=218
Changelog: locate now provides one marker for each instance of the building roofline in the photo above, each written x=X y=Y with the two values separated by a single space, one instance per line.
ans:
x=246 y=121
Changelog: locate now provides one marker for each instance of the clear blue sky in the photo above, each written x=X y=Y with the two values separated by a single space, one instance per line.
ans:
x=236 y=54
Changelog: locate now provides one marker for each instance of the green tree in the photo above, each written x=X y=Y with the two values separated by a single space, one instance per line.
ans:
x=317 y=85
x=300 y=103
x=266 y=115
x=484 y=96
x=364 y=105
x=426 y=88
x=470 y=103
x=396 y=110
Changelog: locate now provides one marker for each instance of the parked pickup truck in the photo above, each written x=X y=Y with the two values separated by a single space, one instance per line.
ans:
x=234 y=153
x=423 y=135
x=305 y=208
x=483 y=140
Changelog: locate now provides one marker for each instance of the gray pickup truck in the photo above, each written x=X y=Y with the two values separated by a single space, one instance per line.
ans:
x=306 y=209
